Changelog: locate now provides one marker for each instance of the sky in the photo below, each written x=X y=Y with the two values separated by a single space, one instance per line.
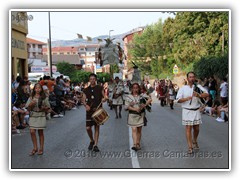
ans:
x=65 y=25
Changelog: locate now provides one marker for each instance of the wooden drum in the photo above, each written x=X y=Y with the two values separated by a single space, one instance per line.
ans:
x=100 y=116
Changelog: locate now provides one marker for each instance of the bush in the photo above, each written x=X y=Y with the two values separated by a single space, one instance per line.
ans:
x=209 y=66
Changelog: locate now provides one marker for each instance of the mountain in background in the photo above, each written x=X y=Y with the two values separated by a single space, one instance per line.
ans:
x=78 y=42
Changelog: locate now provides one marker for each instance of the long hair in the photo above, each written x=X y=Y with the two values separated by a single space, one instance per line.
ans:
x=42 y=94
x=139 y=88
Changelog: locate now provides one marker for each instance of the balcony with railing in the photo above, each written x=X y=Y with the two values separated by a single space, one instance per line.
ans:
x=37 y=50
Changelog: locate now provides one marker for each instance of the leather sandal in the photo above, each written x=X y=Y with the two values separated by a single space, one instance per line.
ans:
x=34 y=151
x=138 y=146
x=40 y=152
x=195 y=145
x=190 y=151
x=134 y=147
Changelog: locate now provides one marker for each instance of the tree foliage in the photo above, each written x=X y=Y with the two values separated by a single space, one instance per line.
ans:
x=184 y=40
x=208 y=66
x=66 y=69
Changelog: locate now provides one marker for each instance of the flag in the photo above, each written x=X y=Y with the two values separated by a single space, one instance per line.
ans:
x=79 y=36
x=89 y=38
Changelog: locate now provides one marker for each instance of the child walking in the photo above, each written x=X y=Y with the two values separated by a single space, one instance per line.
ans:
x=38 y=105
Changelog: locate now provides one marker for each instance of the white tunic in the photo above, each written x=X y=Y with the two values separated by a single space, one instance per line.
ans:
x=190 y=117
x=118 y=89
x=110 y=88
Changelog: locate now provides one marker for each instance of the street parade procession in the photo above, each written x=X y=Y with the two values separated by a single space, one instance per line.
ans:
x=123 y=120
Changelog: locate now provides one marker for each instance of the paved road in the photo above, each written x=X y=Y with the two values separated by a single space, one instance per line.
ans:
x=163 y=143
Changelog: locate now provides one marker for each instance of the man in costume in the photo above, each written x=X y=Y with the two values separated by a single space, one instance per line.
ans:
x=191 y=117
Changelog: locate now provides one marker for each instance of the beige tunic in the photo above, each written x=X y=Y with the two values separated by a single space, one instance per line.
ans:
x=119 y=90
x=134 y=119
x=37 y=118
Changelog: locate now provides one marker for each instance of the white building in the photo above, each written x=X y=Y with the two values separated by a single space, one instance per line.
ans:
x=35 y=48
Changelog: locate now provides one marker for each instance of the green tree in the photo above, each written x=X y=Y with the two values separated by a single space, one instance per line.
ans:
x=80 y=76
x=103 y=77
x=66 y=69
x=212 y=65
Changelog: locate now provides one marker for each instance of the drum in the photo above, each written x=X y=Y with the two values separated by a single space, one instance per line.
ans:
x=100 y=116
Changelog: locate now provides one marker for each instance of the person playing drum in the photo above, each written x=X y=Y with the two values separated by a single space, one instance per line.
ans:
x=136 y=114
x=92 y=98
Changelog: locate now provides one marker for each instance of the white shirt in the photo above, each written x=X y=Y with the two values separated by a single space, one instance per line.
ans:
x=15 y=108
x=185 y=92
x=224 y=89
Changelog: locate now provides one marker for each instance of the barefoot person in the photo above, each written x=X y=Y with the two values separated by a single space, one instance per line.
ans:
x=191 y=116
x=136 y=114
x=38 y=105
x=92 y=98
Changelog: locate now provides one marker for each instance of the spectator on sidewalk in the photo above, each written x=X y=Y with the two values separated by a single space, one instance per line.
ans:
x=206 y=84
x=207 y=107
x=212 y=87
x=224 y=91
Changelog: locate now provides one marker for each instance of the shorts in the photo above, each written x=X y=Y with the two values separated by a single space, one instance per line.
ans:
x=90 y=122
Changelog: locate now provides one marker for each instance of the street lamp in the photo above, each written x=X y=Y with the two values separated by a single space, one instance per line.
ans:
x=109 y=33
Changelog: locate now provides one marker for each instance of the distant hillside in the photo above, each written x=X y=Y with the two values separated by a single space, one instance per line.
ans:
x=77 y=42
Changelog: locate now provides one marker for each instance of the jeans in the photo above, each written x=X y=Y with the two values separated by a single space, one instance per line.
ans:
x=213 y=94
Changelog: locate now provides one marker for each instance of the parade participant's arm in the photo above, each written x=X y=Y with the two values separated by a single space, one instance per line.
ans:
x=84 y=102
x=204 y=94
x=149 y=101
x=46 y=106
x=30 y=104
x=180 y=98
x=184 y=99
x=134 y=109
x=103 y=95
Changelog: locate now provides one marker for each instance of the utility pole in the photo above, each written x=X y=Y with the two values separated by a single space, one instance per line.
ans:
x=223 y=43
x=50 y=47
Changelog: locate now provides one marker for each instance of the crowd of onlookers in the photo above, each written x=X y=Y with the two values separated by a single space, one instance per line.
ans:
x=61 y=94
x=214 y=105
x=217 y=102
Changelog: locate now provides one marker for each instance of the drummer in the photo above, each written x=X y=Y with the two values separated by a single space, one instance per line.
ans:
x=93 y=96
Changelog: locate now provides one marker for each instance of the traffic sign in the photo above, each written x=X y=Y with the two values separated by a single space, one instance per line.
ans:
x=175 y=69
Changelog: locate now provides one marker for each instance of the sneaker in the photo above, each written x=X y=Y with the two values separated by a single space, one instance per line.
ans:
x=220 y=120
x=74 y=108
x=95 y=149
x=56 y=116
x=90 y=147
x=60 y=115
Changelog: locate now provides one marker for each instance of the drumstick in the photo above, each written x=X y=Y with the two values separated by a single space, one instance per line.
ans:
x=99 y=105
